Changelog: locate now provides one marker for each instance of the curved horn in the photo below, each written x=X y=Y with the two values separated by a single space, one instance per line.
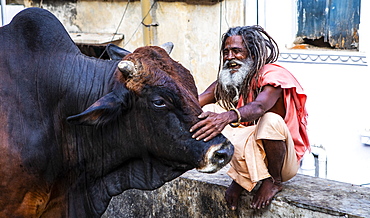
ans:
x=127 y=68
x=168 y=46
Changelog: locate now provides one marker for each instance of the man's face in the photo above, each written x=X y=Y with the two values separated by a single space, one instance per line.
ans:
x=236 y=65
x=234 y=50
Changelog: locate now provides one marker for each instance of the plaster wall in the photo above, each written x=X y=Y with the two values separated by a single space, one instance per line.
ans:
x=195 y=29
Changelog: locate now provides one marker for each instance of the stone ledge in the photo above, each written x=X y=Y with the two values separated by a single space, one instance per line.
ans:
x=202 y=195
x=95 y=38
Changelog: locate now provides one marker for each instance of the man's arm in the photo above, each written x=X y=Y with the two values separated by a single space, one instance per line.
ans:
x=213 y=123
x=208 y=96
x=264 y=102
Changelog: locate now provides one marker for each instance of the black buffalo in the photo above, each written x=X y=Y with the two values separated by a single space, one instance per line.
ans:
x=76 y=130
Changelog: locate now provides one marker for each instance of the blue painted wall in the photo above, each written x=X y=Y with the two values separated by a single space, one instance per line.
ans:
x=336 y=21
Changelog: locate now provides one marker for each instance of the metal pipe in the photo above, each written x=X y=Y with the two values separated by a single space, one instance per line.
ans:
x=3 y=3
x=257 y=8
x=147 y=21
x=244 y=12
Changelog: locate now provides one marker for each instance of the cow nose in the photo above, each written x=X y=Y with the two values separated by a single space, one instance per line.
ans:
x=216 y=157
x=221 y=155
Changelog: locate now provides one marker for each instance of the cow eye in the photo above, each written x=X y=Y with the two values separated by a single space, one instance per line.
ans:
x=159 y=103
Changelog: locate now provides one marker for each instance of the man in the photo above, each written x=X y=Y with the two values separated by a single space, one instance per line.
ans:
x=261 y=109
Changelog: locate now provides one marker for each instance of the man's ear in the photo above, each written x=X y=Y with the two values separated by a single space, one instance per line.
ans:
x=104 y=110
x=116 y=53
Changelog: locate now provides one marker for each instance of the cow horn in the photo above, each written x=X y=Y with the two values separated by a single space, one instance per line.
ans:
x=168 y=46
x=127 y=68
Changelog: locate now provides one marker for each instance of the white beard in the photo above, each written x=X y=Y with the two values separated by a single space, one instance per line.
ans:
x=229 y=80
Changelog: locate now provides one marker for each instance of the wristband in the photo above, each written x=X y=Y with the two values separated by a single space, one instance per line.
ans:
x=239 y=118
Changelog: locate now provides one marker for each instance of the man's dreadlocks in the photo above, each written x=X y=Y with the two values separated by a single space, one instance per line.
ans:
x=261 y=48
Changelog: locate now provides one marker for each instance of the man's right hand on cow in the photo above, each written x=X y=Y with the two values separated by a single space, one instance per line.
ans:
x=211 y=124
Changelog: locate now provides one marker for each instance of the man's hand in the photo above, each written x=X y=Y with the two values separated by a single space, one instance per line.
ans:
x=212 y=124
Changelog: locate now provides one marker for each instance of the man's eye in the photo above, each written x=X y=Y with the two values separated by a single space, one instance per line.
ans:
x=237 y=51
x=159 y=103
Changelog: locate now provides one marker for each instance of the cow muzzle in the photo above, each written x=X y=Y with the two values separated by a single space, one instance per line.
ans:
x=216 y=157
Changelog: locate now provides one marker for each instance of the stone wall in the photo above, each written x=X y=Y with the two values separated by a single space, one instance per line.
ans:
x=202 y=195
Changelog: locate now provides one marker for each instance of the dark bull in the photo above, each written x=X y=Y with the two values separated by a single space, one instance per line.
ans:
x=76 y=130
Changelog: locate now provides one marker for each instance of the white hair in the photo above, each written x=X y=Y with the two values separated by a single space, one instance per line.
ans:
x=233 y=80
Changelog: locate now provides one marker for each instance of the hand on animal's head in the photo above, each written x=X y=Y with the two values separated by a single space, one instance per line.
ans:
x=210 y=125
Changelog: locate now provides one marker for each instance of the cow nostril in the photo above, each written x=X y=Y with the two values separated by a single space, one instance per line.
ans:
x=221 y=155
x=216 y=157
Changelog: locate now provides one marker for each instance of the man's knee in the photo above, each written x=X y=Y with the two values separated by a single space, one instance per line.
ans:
x=271 y=126
x=272 y=119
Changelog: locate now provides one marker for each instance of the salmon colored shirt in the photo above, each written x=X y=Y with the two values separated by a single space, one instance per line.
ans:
x=294 y=100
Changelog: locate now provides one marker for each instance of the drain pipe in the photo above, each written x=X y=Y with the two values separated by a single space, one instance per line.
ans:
x=147 y=21
x=244 y=12
x=3 y=3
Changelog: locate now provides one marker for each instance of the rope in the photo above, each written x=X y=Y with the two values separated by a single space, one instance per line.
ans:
x=141 y=23
x=115 y=33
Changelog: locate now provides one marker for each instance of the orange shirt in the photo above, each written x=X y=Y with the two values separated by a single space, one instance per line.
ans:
x=294 y=100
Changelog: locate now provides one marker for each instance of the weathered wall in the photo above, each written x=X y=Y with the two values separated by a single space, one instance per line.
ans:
x=202 y=195
x=194 y=28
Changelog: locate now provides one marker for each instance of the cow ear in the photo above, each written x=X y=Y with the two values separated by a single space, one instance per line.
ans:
x=168 y=46
x=115 y=52
x=102 y=111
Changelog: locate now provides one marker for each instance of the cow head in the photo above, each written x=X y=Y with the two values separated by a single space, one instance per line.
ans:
x=154 y=101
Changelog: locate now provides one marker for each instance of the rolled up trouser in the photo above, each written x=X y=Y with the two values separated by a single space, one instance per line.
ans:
x=249 y=162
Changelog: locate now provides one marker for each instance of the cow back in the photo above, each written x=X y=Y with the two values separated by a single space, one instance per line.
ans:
x=35 y=30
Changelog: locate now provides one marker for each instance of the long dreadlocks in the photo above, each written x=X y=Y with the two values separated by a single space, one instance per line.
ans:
x=261 y=48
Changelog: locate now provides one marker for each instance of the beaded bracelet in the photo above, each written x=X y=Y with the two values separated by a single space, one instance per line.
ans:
x=239 y=118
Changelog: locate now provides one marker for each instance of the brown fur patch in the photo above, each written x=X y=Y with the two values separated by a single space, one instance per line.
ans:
x=156 y=68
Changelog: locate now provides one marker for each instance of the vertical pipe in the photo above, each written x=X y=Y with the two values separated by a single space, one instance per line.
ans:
x=3 y=3
x=147 y=21
x=257 y=16
x=244 y=12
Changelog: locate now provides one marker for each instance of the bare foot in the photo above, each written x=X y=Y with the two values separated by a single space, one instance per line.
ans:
x=232 y=195
x=265 y=193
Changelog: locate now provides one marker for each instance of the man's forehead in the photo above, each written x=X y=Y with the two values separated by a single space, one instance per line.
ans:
x=234 y=42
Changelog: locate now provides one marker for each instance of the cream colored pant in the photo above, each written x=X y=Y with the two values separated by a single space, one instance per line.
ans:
x=249 y=162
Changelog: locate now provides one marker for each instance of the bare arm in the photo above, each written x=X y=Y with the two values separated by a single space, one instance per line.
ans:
x=208 y=96
x=212 y=123
x=264 y=102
